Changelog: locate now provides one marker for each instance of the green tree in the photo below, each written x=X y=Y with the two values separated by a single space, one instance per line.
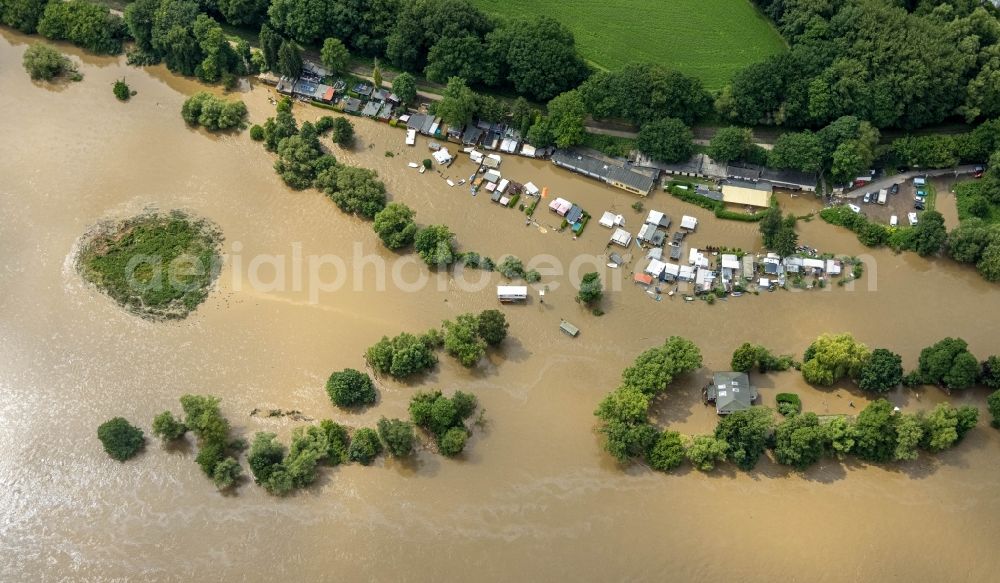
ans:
x=265 y=457
x=226 y=473
x=832 y=357
x=244 y=12
x=642 y=93
x=377 y=75
x=626 y=441
x=334 y=56
x=404 y=86
x=591 y=290
x=462 y=340
x=453 y=441
x=270 y=44
x=799 y=441
x=667 y=453
x=945 y=425
x=355 y=190
x=121 y=90
x=492 y=326
x=435 y=245
x=625 y=404
x=365 y=446
x=394 y=225
x=567 y=114
x=746 y=432
x=993 y=405
x=539 y=56
x=351 y=388
x=462 y=56
x=948 y=363
x=167 y=427
x=770 y=226
x=705 y=451
x=43 y=62
x=511 y=267
x=289 y=59
x=401 y=356
x=839 y=436
x=301 y=160
x=730 y=143
x=397 y=435
x=874 y=432
x=787 y=240
x=990 y=372
x=909 y=431
x=214 y=114
x=798 y=151
x=928 y=235
x=881 y=372
x=343 y=132
x=121 y=439
x=666 y=140
x=86 y=24
x=656 y=368
x=458 y=103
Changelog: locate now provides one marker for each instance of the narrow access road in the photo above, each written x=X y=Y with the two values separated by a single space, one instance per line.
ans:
x=881 y=183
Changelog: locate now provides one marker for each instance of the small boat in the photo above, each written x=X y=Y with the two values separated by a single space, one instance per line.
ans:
x=450 y=183
x=736 y=294
x=413 y=165
x=670 y=293
x=423 y=169
x=688 y=298
x=613 y=265
x=461 y=182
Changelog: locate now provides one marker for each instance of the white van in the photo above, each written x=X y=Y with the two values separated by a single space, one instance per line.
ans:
x=912 y=218
x=893 y=221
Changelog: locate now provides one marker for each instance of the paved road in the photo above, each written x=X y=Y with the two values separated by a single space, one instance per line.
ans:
x=877 y=185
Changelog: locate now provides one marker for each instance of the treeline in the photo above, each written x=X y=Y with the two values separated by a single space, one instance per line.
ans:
x=872 y=59
x=878 y=434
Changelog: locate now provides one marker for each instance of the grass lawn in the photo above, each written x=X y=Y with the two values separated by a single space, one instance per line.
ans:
x=709 y=39
x=156 y=266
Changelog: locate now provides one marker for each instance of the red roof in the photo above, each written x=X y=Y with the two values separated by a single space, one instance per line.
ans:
x=643 y=278
x=328 y=96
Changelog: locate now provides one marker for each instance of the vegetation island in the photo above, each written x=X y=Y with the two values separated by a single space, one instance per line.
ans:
x=157 y=266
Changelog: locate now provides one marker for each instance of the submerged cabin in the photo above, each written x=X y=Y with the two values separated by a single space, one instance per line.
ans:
x=512 y=293
x=731 y=392
x=618 y=176
x=568 y=328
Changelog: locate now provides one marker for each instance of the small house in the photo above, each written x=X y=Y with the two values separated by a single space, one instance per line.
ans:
x=748 y=266
x=646 y=233
x=562 y=206
x=738 y=192
x=655 y=268
x=671 y=271
x=371 y=109
x=608 y=219
x=658 y=219
x=689 y=223
x=352 y=105
x=643 y=278
x=574 y=215
x=731 y=392
x=621 y=237
x=530 y=189
x=443 y=156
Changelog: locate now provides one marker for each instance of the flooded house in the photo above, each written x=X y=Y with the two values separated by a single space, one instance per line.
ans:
x=730 y=392
x=618 y=176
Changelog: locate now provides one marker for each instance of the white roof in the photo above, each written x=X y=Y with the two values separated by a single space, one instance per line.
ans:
x=671 y=268
x=607 y=219
x=704 y=276
x=512 y=290
x=494 y=156
x=730 y=261
x=697 y=259
x=503 y=185
x=765 y=282
x=654 y=217
x=476 y=156
x=621 y=237
x=528 y=150
x=655 y=267
x=530 y=188
x=688 y=222
x=686 y=272
x=655 y=253
x=814 y=263
x=442 y=156
x=832 y=267
x=647 y=231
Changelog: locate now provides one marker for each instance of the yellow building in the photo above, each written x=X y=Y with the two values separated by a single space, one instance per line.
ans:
x=741 y=193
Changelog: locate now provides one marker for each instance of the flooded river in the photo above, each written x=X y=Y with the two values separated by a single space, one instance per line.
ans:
x=534 y=498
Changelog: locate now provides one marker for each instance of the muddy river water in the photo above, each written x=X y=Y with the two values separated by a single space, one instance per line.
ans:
x=534 y=498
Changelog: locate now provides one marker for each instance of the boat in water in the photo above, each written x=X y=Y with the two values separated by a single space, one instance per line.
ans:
x=413 y=165
x=423 y=169
x=450 y=183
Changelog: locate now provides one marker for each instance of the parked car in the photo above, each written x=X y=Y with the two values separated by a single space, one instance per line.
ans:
x=912 y=218
x=893 y=221
x=919 y=205
x=894 y=189
x=854 y=208
x=868 y=197
x=977 y=172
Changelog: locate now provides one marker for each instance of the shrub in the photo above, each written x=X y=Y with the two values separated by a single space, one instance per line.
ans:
x=365 y=446
x=397 y=435
x=167 y=427
x=453 y=441
x=590 y=288
x=43 y=62
x=788 y=403
x=121 y=440
x=226 y=473
x=213 y=113
x=257 y=133
x=350 y=388
x=667 y=453
x=993 y=404
x=511 y=268
x=121 y=90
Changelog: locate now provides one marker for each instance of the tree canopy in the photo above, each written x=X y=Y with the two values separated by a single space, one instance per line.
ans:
x=948 y=363
x=746 y=432
x=881 y=372
x=351 y=388
x=667 y=140
x=832 y=357
x=657 y=367
x=121 y=439
x=395 y=226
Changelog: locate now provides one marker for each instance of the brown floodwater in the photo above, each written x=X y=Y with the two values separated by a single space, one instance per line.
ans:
x=534 y=497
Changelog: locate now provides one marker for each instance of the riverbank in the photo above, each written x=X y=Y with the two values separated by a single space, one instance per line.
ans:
x=535 y=476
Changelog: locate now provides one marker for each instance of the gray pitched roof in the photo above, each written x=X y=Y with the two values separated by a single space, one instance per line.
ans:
x=602 y=170
x=731 y=392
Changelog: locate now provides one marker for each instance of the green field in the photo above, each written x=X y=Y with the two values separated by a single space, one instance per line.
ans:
x=709 y=39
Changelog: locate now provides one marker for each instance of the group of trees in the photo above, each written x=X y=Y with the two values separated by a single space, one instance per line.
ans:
x=467 y=337
x=403 y=355
x=624 y=413
x=749 y=356
x=86 y=24
x=280 y=472
x=925 y=238
x=444 y=418
x=186 y=39
x=216 y=451
x=845 y=148
x=947 y=363
x=777 y=233
x=861 y=58
x=212 y=113
x=977 y=242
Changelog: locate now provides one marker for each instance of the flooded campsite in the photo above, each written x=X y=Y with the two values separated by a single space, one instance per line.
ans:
x=534 y=496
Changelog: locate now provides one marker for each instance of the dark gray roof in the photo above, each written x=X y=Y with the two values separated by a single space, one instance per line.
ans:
x=790 y=178
x=352 y=105
x=731 y=392
x=744 y=171
x=574 y=214
x=371 y=108
x=472 y=135
x=602 y=170
x=675 y=252
x=416 y=121
x=692 y=166
x=756 y=185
